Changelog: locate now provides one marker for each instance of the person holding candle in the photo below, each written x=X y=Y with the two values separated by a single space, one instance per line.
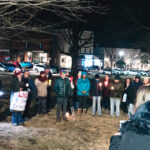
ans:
x=106 y=94
x=50 y=80
x=28 y=86
x=96 y=92
x=116 y=90
x=62 y=87
x=131 y=92
x=83 y=87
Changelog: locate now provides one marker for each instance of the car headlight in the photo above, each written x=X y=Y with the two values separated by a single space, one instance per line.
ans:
x=1 y=93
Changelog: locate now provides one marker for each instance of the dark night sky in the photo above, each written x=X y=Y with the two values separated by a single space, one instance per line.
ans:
x=118 y=27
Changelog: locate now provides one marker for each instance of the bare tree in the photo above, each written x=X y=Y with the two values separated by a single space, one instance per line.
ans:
x=111 y=54
x=21 y=16
x=77 y=38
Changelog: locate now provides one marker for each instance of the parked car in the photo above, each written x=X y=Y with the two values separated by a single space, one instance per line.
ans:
x=38 y=67
x=143 y=73
x=53 y=71
x=93 y=68
x=133 y=72
x=10 y=67
x=26 y=64
x=2 y=68
x=107 y=71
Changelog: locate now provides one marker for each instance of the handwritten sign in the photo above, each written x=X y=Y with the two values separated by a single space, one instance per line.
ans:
x=18 y=101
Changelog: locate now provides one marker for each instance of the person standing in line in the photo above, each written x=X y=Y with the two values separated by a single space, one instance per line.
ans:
x=28 y=86
x=41 y=84
x=83 y=87
x=146 y=81
x=96 y=92
x=76 y=101
x=62 y=88
x=106 y=94
x=16 y=86
x=131 y=92
x=125 y=96
x=116 y=94
x=49 y=88
x=71 y=94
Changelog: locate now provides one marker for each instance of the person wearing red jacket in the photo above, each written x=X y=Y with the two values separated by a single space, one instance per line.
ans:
x=106 y=93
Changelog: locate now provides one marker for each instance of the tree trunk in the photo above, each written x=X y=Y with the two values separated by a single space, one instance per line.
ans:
x=75 y=58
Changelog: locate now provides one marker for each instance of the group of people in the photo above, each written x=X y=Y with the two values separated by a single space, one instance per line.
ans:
x=38 y=89
x=73 y=95
x=134 y=133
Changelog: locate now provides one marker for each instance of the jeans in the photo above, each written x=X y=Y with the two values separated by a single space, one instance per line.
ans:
x=41 y=105
x=96 y=99
x=130 y=110
x=16 y=118
x=114 y=102
x=60 y=102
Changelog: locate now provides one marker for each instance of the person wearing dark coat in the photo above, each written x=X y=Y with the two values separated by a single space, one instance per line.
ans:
x=96 y=92
x=124 y=101
x=106 y=94
x=134 y=133
x=131 y=92
x=62 y=88
x=49 y=88
x=28 y=86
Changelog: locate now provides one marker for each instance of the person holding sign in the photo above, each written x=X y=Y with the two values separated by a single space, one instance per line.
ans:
x=16 y=86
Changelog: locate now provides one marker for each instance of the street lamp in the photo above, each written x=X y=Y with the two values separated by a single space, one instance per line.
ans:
x=121 y=53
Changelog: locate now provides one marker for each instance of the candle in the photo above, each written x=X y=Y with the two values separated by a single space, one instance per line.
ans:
x=106 y=83
x=67 y=115
x=100 y=84
x=27 y=85
x=49 y=82
x=112 y=88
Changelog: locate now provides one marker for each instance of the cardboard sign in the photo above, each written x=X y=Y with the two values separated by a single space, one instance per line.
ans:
x=18 y=101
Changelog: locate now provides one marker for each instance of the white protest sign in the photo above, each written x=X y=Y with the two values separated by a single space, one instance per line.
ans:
x=18 y=101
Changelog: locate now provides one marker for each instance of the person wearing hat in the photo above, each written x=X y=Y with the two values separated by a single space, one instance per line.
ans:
x=62 y=88
x=83 y=87
x=16 y=85
x=116 y=90
x=96 y=92
x=131 y=94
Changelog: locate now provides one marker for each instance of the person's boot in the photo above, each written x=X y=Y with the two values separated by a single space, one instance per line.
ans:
x=79 y=112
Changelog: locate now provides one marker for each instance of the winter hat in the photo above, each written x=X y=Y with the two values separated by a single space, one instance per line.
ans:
x=137 y=76
x=17 y=72
x=117 y=77
x=97 y=76
x=84 y=73
x=62 y=72
x=42 y=72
